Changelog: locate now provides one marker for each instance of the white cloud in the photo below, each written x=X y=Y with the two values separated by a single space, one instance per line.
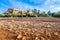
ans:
x=55 y=8
x=47 y=5
x=50 y=2
x=4 y=5
x=47 y=2
x=52 y=6
x=2 y=10
x=36 y=1
x=22 y=5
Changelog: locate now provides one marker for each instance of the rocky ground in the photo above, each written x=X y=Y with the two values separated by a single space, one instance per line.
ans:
x=30 y=28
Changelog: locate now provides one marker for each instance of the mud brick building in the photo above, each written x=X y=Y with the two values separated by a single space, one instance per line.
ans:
x=23 y=12
x=14 y=10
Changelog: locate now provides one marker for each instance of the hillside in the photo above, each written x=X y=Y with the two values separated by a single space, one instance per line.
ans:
x=43 y=28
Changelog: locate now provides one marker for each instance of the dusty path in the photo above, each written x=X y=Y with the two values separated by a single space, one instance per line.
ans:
x=29 y=28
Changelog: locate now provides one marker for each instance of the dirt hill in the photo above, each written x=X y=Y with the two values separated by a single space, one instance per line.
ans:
x=30 y=28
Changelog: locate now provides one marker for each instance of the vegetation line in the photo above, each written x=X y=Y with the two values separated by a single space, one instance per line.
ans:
x=12 y=12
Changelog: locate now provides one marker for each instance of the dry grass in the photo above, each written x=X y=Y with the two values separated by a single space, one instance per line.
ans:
x=29 y=29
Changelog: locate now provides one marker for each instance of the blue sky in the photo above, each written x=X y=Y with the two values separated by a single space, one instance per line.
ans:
x=43 y=5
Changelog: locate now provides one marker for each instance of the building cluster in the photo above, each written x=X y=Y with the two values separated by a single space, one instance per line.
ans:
x=14 y=10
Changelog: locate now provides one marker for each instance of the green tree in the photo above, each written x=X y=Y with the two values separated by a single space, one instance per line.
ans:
x=35 y=11
x=31 y=15
x=16 y=15
x=43 y=14
x=56 y=14
x=2 y=15
x=8 y=15
x=53 y=14
x=38 y=13
x=49 y=13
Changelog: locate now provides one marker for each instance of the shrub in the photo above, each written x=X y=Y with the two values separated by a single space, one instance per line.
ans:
x=2 y=15
x=43 y=15
x=23 y=15
x=31 y=15
x=16 y=15
x=56 y=15
x=8 y=15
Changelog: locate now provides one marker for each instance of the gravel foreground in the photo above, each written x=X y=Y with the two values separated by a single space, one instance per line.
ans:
x=30 y=28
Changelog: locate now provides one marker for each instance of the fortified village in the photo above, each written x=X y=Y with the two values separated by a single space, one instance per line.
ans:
x=23 y=12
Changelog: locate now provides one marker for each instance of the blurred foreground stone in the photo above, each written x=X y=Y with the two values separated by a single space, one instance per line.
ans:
x=11 y=29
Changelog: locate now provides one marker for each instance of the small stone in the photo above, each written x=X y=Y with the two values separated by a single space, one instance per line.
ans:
x=19 y=36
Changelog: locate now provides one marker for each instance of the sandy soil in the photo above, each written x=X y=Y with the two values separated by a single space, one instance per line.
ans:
x=30 y=28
